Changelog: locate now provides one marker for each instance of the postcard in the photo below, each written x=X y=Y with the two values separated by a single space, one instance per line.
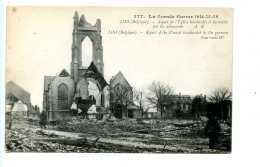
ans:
x=119 y=80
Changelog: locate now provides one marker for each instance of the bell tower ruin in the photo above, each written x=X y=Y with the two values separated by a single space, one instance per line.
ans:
x=81 y=30
x=62 y=90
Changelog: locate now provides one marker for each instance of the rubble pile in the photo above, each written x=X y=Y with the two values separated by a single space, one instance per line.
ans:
x=81 y=125
x=225 y=137
x=171 y=131
x=165 y=128
x=32 y=120
x=114 y=136
x=20 y=140
x=174 y=128
x=118 y=134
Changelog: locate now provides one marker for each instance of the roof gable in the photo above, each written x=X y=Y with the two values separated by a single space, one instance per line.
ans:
x=119 y=74
x=17 y=91
x=10 y=98
x=11 y=95
x=12 y=86
x=64 y=73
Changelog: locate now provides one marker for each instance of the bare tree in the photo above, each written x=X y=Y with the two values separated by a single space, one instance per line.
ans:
x=123 y=95
x=220 y=94
x=140 y=99
x=158 y=94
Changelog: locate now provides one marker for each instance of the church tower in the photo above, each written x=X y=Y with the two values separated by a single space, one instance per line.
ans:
x=81 y=30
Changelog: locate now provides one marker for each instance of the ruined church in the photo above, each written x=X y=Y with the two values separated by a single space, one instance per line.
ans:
x=69 y=93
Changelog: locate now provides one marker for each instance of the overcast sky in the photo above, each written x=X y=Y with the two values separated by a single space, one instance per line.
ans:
x=39 y=43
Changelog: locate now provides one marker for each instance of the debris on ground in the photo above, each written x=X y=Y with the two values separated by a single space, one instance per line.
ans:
x=119 y=135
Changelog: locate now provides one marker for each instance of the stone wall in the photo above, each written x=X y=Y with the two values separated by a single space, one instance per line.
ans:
x=53 y=93
x=52 y=97
x=119 y=79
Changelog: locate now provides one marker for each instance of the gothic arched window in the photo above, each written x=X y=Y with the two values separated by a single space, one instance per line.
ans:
x=63 y=97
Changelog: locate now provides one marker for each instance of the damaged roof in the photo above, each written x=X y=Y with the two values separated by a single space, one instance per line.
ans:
x=64 y=73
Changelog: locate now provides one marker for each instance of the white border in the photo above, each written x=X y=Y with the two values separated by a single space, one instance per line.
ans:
x=245 y=96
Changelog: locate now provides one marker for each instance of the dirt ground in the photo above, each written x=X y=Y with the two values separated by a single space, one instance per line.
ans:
x=118 y=136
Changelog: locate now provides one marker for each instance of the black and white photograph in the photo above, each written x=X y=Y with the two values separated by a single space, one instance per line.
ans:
x=118 y=80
